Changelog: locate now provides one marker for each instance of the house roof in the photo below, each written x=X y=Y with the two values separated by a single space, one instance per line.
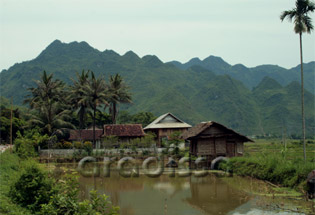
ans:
x=199 y=128
x=124 y=130
x=167 y=120
x=85 y=134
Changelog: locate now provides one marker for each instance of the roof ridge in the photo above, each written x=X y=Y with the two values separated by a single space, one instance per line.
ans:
x=163 y=116
x=199 y=128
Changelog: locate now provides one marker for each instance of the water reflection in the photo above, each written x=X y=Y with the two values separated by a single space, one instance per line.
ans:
x=166 y=195
x=213 y=196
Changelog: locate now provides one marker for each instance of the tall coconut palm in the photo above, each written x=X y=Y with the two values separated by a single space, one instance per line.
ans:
x=95 y=94
x=47 y=100
x=302 y=24
x=51 y=119
x=46 y=92
x=118 y=94
x=77 y=94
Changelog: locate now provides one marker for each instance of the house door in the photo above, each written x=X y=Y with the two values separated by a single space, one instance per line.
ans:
x=230 y=149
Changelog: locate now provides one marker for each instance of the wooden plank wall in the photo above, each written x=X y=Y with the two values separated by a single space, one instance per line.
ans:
x=220 y=145
x=205 y=147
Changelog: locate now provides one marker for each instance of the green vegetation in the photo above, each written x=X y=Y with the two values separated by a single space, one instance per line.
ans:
x=272 y=161
x=26 y=145
x=95 y=94
x=54 y=107
x=251 y=77
x=17 y=122
x=48 y=102
x=119 y=93
x=173 y=142
x=10 y=167
x=32 y=189
x=194 y=95
x=78 y=98
x=144 y=118
x=26 y=188
x=277 y=118
x=67 y=202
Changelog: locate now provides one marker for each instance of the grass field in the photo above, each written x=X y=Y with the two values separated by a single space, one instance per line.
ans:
x=270 y=160
x=293 y=149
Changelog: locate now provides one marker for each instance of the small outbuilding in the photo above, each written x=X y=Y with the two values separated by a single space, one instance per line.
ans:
x=212 y=140
x=124 y=132
x=165 y=125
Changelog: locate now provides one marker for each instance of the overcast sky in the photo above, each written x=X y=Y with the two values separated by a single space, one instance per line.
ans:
x=240 y=31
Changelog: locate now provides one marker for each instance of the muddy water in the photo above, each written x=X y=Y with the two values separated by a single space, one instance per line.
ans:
x=192 y=196
x=210 y=195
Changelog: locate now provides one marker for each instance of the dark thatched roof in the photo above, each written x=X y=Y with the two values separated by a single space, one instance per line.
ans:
x=86 y=134
x=199 y=128
x=124 y=130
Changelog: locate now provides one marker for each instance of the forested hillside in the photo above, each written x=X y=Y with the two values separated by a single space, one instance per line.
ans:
x=260 y=100
x=251 y=77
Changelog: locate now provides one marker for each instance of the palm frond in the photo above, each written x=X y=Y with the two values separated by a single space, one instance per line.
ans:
x=302 y=22
x=289 y=14
x=308 y=23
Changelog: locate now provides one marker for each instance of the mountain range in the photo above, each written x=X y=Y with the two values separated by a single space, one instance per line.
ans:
x=251 y=77
x=260 y=100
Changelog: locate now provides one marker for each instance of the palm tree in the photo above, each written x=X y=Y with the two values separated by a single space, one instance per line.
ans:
x=302 y=24
x=95 y=94
x=118 y=94
x=46 y=91
x=47 y=100
x=77 y=96
x=51 y=120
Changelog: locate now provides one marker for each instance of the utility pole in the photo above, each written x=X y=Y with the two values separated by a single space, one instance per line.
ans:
x=11 y=129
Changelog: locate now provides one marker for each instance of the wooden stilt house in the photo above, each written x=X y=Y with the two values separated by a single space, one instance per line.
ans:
x=165 y=125
x=211 y=140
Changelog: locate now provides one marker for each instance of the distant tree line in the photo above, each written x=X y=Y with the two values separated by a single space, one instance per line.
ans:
x=55 y=107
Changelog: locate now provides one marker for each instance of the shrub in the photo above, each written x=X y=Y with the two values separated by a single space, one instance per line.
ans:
x=88 y=147
x=58 y=145
x=67 y=145
x=9 y=170
x=99 y=204
x=78 y=145
x=24 y=147
x=32 y=138
x=66 y=201
x=63 y=145
x=32 y=188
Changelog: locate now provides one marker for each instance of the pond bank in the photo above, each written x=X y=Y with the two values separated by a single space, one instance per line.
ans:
x=272 y=168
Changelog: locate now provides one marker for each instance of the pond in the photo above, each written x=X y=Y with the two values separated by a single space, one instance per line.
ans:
x=209 y=195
